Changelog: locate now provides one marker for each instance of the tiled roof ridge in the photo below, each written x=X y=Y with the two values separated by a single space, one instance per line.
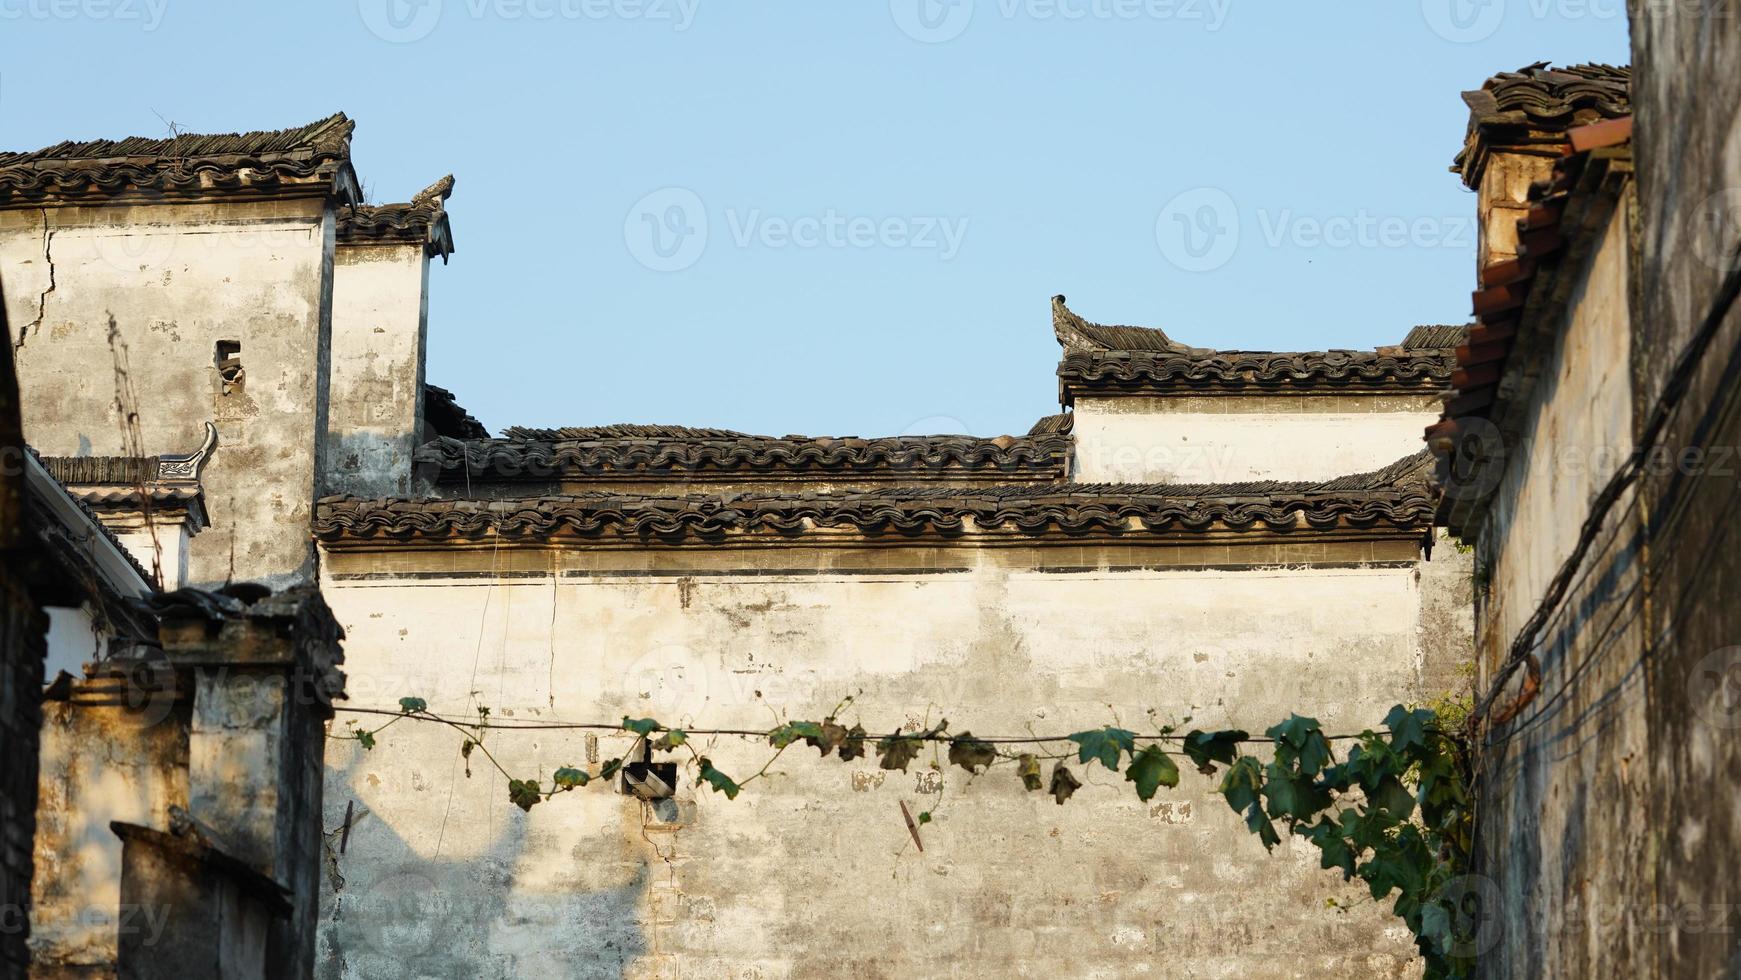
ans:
x=423 y=220
x=187 y=165
x=1394 y=496
x=1075 y=334
x=330 y=135
x=1062 y=423
x=1043 y=454
x=1385 y=370
x=1536 y=105
x=74 y=470
x=624 y=430
x=443 y=413
x=1436 y=336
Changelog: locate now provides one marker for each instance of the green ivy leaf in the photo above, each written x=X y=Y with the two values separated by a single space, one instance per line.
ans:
x=1393 y=799
x=1064 y=783
x=972 y=754
x=641 y=726
x=1389 y=870
x=611 y=768
x=523 y=793
x=1151 y=769
x=720 y=782
x=1408 y=729
x=411 y=705
x=1333 y=848
x=1028 y=767
x=569 y=777
x=1291 y=796
x=670 y=740
x=367 y=738
x=852 y=746
x=1204 y=749
x=1300 y=744
x=1104 y=744
x=792 y=731
x=1241 y=784
x=924 y=818
x=1260 y=825
x=1436 y=928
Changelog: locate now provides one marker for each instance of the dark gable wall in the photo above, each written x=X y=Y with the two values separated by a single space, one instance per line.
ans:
x=23 y=629
x=1688 y=146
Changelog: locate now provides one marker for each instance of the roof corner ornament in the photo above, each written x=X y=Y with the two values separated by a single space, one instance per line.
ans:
x=1079 y=336
x=186 y=467
x=435 y=193
x=1068 y=328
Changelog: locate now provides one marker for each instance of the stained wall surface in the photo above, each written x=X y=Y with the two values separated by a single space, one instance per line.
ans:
x=141 y=297
x=811 y=871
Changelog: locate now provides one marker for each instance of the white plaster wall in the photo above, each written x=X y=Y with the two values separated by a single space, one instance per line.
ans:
x=174 y=279
x=1206 y=439
x=810 y=872
x=380 y=294
x=98 y=765
x=73 y=641
x=168 y=545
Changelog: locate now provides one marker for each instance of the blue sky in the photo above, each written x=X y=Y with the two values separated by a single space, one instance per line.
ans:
x=847 y=218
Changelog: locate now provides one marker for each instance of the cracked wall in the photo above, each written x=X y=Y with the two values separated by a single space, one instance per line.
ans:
x=173 y=280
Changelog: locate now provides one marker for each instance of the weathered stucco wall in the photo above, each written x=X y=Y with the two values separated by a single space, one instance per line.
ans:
x=1226 y=439
x=1503 y=199
x=380 y=296
x=175 y=280
x=74 y=639
x=810 y=872
x=99 y=764
x=1688 y=150
x=1565 y=838
x=1579 y=432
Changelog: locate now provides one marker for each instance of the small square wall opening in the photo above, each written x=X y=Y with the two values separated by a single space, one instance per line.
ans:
x=649 y=780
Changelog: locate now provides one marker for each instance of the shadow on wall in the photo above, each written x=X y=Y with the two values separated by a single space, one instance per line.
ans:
x=399 y=914
x=368 y=464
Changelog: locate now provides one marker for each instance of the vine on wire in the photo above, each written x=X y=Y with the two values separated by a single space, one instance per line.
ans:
x=1394 y=811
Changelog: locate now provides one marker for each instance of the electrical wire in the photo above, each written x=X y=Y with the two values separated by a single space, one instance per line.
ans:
x=504 y=725
x=1673 y=391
